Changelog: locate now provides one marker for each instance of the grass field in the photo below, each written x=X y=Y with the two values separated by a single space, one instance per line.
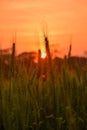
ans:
x=44 y=99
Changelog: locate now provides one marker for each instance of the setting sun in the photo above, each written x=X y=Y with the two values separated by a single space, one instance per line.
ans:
x=43 y=55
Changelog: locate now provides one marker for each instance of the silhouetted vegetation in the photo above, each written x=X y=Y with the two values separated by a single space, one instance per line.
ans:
x=50 y=94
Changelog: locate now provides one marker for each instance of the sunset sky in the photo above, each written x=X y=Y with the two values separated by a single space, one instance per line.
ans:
x=65 y=20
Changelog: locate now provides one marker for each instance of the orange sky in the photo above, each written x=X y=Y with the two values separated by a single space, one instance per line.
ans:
x=64 y=18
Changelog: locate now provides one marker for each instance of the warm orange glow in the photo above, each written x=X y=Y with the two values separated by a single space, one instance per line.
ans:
x=30 y=18
x=43 y=55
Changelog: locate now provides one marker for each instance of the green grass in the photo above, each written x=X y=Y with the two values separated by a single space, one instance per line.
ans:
x=27 y=103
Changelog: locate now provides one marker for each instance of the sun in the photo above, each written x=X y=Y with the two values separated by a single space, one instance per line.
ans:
x=43 y=55
x=43 y=51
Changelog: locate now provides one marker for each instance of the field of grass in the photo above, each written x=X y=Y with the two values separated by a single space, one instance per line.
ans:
x=55 y=101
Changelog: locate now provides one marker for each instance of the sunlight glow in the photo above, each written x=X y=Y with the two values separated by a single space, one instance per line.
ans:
x=43 y=55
